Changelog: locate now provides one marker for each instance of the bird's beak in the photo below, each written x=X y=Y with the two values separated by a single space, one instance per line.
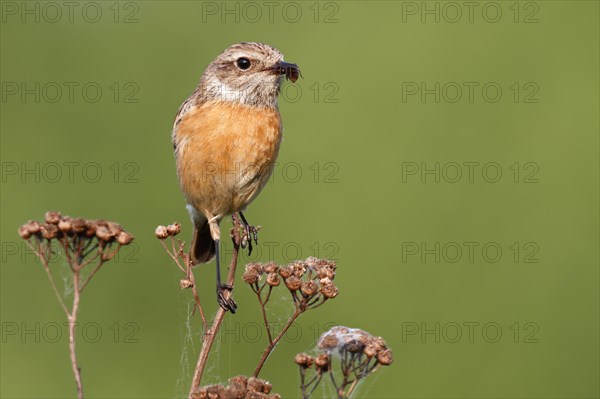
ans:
x=291 y=71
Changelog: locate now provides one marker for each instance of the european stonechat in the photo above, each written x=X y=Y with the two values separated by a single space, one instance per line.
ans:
x=226 y=138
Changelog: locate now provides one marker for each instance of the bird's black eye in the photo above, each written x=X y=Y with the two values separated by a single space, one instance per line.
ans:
x=243 y=63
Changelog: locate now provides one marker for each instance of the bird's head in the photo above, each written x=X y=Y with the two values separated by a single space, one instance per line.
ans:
x=248 y=73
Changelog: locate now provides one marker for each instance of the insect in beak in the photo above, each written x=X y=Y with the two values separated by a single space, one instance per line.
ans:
x=291 y=71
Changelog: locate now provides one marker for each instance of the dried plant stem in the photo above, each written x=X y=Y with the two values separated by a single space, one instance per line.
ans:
x=190 y=275
x=211 y=333
x=82 y=242
x=272 y=345
x=263 y=308
x=72 y=323
x=72 y=314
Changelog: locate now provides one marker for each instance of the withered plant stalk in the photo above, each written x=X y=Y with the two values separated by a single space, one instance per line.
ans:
x=183 y=262
x=83 y=242
x=211 y=333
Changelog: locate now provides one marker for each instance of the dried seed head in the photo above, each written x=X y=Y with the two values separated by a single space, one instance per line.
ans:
x=240 y=387
x=322 y=362
x=255 y=384
x=114 y=228
x=124 y=238
x=379 y=343
x=325 y=281
x=273 y=279
x=293 y=283
x=329 y=291
x=328 y=342
x=78 y=225
x=49 y=231
x=90 y=228
x=298 y=268
x=52 y=217
x=186 y=283
x=239 y=381
x=286 y=271
x=252 y=274
x=303 y=360
x=201 y=393
x=161 y=232
x=325 y=272
x=103 y=233
x=65 y=224
x=370 y=350
x=174 y=229
x=309 y=288
x=339 y=340
x=33 y=226
x=354 y=346
x=311 y=261
x=267 y=387
x=270 y=267
x=24 y=232
x=385 y=357
x=258 y=267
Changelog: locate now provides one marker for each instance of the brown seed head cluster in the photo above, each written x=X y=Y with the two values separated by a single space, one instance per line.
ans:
x=341 y=340
x=171 y=230
x=240 y=387
x=311 y=278
x=57 y=226
x=321 y=363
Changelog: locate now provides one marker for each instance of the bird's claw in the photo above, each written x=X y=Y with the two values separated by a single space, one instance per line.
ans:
x=226 y=303
x=250 y=234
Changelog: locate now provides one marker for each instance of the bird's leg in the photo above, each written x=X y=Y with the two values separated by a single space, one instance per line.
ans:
x=251 y=232
x=226 y=302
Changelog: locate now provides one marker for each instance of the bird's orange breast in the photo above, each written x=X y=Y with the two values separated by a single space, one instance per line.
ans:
x=225 y=154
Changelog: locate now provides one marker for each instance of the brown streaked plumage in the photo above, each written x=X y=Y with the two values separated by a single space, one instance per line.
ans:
x=226 y=138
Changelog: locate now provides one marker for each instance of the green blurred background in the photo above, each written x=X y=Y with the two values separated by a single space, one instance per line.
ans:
x=348 y=186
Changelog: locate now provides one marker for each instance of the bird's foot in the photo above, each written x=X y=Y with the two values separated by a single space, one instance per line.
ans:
x=226 y=301
x=250 y=234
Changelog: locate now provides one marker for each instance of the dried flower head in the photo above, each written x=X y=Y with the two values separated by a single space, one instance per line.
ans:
x=65 y=224
x=124 y=238
x=293 y=283
x=340 y=339
x=286 y=271
x=186 y=283
x=161 y=232
x=103 y=233
x=52 y=217
x=239 y=387
x=78 y=225
x=33 y=226
x=270 y=267
x=273 y=279
x=298 y=268
x=329 y=291
x=49 y=231
x=57 y=226
x=174 y=229
x=309 y=288
x=322 y=363
x=252 y=273
x=90 y=228
x=303 y=360
x=24 y=232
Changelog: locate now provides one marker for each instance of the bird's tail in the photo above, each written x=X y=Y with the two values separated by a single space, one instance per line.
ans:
x=203 y=246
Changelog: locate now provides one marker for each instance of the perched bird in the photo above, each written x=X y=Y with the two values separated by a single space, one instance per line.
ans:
x=226 y=138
